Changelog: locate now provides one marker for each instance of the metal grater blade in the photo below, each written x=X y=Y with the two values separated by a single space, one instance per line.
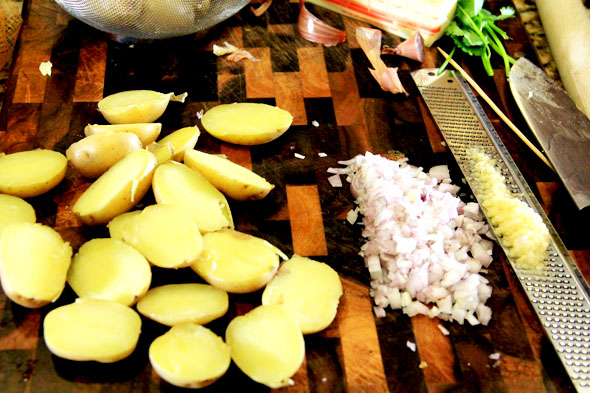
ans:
x=559 y=294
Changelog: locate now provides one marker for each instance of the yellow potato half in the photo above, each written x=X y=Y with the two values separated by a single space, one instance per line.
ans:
x=92 y=329
x=34 y=262
x=237 y=262
x=246 y=123
x=116 y=225
x=14 y=209
x=174 y=304
x=117 y=190
x=30 y=173
x=173 y=146
x=109 y=269
x=267 y=345
x=232 y=179
x=135 y=106
x=177 y=184
x=95 y=154
x=147 y=132
x=165 y=235
x=189 y=356
x=308 y=290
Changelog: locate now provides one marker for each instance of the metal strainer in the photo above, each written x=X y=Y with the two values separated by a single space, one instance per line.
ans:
x=152 y=18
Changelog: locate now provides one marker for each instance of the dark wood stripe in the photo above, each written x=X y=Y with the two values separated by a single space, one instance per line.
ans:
x=345 y=95
x=238 y=154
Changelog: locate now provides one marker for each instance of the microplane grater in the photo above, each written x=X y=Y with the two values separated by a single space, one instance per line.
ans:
x=559 y=293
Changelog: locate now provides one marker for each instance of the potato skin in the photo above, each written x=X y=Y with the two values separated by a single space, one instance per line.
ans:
x=95 y=154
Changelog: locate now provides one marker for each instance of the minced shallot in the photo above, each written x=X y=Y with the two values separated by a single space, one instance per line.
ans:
x=424 y=248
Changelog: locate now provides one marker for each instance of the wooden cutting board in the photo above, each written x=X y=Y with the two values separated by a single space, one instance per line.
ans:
x=303 y=214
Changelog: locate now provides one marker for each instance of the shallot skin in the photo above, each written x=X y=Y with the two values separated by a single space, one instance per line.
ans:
x=424 y=248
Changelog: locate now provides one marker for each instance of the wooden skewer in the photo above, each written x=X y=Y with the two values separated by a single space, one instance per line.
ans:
x=497 y=110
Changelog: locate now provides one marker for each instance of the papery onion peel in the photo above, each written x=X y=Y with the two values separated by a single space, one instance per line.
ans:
x=315 y=30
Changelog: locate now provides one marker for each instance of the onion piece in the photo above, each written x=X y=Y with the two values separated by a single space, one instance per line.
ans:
x=261 y=9
x=335 y=180
x=412 y=48
x=241 y=54
x=387 y=77
x=220 y=50
x=315 y=30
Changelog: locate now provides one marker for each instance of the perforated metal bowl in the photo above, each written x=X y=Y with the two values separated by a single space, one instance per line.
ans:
x=148 y=19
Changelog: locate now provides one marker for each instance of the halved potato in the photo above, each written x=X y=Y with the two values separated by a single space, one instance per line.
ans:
x=232 y=179
x=147 y=132
x=174 y=304
x=237 y=262
x=173 y=146
x=165 y=235
x=34 y=262
x=267 y=345
x=30 y=173
x=93 y=155
x=117 y=190
x=92 y=329
x=14 y=209
x=109 y=269
x=116 y=225
x=308 y=290
x=136 y=106
x=246 y=123
x=189 y=356
x=177 y=184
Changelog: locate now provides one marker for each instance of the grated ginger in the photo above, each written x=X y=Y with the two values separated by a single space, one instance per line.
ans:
x=519 y=228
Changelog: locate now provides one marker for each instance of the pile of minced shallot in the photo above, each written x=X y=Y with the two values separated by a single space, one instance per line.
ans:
x=424 y=247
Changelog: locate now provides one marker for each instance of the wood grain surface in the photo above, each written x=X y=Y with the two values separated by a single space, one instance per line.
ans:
x=303 y=214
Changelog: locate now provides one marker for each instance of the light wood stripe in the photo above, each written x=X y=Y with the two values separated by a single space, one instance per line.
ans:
x=238 y=154
x=305 y=218
x=521 y=375
x=346 y=98
x=30 y=84
x=547 y=190
x=289 y=95
x=22 y=129
x=92 y=63
x=258 y=74
x=363 y=365
x=435 y=349
x=314 y=76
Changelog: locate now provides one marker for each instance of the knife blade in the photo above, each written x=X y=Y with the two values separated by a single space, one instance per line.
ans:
x=562 y=130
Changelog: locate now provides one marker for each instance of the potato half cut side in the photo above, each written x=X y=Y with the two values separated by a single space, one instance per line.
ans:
x=246 y=123
x=95 y=154
x=92 y=329
x=174 y=304
x=117 y=190
x=237 y=262
x=117 y=224
x=147 y=132
x=30 y=173
x=14 y=209
x=308 y=290
x=173 y=146
x=232 y=179
x=267 y=345
x=109 y=269
x=177 y=184
x=165 y=235
x=34 y=262
x=135 y=106
x=190 y=356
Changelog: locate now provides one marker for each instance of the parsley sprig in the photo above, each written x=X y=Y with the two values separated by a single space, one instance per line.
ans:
x=474 y=31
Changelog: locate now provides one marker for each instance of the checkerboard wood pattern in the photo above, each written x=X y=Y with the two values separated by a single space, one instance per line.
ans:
x=303 y=214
